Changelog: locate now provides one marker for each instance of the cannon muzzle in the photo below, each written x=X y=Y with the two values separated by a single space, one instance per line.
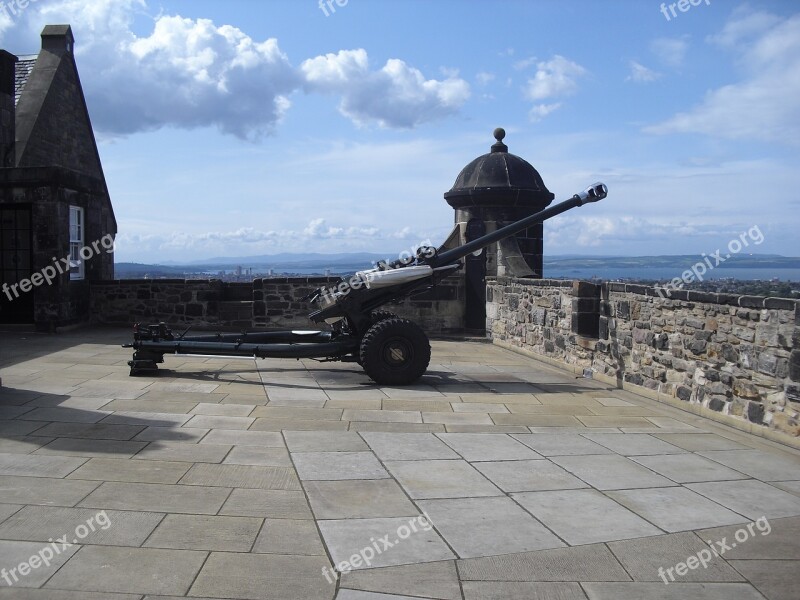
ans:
x=593 y=193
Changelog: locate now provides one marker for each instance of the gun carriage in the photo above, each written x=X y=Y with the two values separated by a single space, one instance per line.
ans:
x=390 y=349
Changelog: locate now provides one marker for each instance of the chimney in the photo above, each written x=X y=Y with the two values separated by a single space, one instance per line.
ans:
x=8 y=64
x=58 y=39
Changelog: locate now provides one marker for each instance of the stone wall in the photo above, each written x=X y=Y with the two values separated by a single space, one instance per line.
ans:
x=274 y=303
x=735 y=355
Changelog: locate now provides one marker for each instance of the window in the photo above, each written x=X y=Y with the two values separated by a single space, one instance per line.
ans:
x=76 y=270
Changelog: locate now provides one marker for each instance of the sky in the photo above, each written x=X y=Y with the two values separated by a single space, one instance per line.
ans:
x=250 y=127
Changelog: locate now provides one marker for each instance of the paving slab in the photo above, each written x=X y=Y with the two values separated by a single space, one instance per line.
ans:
x=223 y=410
x=25 y=444
x=699 y=442
x=535 y=420
x=157 y=497
x=347 y=537
x=765 y=539
x=304 y=414
x=651 y=558
x=205 y=532
x=528 y=475
x=149 y=419
x=357 y=499
x=674 y=591
x=270 y=504
x=255 y=456
x=29 y=465
x=383 y=416
x=505 y=590
x=44 y=491
x=567 y=444
x=688 y=468
x=269 y=439
x=130 y=570
x=776 y=579
x=171 y=434
x=610 y=472
x=487 y=526
x=219 y=422
x=437 y=405
x=156 y=406
x=242 y=476
x=100 y=431
x=328 y=441
x=345 y=594
x=407 y=446
x=437 y=580
x=658 y=505
x=397 y=427
x=750 y=498
x=277 y=425
x=633 y=444
x=329 y=466
x=87 y=447
x=263 y=577
x=441 y=479
x=593 y=562
x=584 y=516
x=48 y=594
x=289 y=536
x=765 y=466
x=14 y=553
x=66 y=415
x=184 y=452
x=487 y=447
x=109 y=527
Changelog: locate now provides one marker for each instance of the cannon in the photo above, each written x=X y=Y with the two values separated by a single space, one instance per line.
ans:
x=390 y=349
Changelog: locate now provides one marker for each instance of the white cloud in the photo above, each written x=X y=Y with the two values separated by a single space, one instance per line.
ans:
x=641 y=74
x=763 y=105
x=670 y=51
x=540 y=111
x=395 y=96
x=484 y=78
x=555 y=78
x=190 y=73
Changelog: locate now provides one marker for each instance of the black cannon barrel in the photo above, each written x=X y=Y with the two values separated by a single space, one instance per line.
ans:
x=596 y=192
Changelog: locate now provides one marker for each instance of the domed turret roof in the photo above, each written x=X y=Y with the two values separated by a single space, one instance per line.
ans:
x=499 y=179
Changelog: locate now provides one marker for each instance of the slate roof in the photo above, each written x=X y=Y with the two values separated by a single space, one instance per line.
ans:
x=22 y=73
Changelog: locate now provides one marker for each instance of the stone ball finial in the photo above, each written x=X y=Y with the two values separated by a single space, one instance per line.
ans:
x=499 y=146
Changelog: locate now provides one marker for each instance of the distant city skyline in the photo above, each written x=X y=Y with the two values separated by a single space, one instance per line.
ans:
x=242 y=128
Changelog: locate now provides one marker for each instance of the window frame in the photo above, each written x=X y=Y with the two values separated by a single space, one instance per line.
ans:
x=77 y=234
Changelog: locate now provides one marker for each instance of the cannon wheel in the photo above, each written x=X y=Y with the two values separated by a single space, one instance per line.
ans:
x=395 y=351
x=375 y=317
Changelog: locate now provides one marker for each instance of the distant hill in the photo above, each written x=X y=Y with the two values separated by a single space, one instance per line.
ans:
x=314 y=263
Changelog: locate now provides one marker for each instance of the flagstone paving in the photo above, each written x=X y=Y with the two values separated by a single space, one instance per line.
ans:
x=494 y=477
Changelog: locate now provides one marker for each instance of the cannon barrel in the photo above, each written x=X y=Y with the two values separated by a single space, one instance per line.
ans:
x=593 y=193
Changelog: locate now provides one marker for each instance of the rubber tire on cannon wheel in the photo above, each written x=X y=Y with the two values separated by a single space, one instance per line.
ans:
x=395 y=352
x=382 y=315
x=375 y=317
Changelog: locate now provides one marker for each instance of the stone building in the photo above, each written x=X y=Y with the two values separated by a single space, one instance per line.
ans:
x=56 y=220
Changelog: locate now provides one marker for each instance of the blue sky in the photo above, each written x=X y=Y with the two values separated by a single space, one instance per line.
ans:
x=256 y=127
